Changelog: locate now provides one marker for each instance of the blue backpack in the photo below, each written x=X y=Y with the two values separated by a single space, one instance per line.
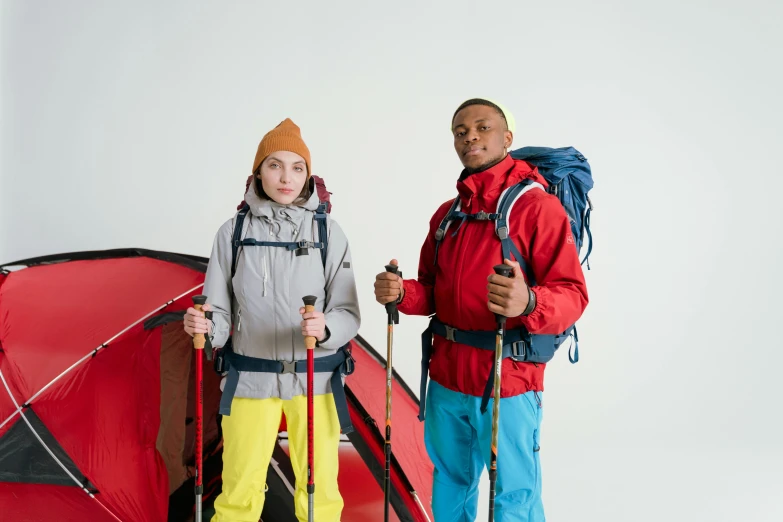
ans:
x=569 y=177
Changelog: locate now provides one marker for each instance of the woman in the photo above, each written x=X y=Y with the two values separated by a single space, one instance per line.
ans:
x=263 y=301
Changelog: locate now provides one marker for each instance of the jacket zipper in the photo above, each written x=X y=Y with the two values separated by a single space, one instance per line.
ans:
x=458 y=276
x=266 y=274
x=239 y=320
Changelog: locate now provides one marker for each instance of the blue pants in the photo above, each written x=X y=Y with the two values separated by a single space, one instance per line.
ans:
x=458 y=436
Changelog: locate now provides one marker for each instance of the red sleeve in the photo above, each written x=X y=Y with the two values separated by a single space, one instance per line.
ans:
x=419 y=296
x=548 y=247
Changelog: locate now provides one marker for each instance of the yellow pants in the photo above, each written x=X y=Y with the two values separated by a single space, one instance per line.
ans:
x=249 y=436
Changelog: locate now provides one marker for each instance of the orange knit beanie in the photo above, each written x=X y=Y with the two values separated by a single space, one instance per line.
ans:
x=286 y=136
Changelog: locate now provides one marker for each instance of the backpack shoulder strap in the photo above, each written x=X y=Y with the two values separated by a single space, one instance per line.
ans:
x=505 y=205
x=323 y=233
x=236 y=239
x=440 y=233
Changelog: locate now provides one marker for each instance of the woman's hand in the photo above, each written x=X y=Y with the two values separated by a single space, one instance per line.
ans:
x=196 y=323
x=313 y=324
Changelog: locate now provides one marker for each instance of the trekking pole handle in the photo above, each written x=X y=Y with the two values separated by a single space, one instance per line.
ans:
x=391 y=307
x=309 y=302
x=199 y=340
x=504 y=271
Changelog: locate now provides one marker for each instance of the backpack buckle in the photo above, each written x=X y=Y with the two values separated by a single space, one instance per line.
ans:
x=450 y=333
x=350 y=362
x=302 y=247
x=518 y=351
x=288 y=367
x=503 y=232
x=482 y=216
x=439 y=234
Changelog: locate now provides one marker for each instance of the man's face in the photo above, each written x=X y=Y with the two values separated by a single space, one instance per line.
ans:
x=480 y=136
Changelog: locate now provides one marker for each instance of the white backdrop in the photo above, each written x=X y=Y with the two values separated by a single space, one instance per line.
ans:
x=135 y=124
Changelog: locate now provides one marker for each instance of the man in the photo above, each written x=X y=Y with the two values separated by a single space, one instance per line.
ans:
x=457 y=283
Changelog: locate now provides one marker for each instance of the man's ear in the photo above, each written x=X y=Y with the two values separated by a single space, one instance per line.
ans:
x=509 y=138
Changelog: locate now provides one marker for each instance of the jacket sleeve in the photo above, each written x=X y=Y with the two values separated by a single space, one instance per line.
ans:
x=217 y=284
x=548 y=246
x=419 y=298
x=341 y=307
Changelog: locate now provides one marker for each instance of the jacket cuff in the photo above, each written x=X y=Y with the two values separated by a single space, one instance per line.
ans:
x=327 y=335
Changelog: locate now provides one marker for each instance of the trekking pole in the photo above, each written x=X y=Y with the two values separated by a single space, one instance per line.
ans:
x=393 y=318
x=505 y=271
x=309 y=302
x=199 y=343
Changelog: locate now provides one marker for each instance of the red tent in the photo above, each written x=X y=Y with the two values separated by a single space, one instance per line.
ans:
x=96 y=401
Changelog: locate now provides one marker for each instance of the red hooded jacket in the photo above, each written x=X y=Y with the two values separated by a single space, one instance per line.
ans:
x=456 y=289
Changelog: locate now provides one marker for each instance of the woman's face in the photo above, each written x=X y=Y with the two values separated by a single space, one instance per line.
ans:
x=283 y=176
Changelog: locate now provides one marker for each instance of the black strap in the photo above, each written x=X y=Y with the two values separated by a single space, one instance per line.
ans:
x=441 y=232
x=501 y=228
x=323 y=233
x=514 y=343
x=237 y=234
x=290 y=245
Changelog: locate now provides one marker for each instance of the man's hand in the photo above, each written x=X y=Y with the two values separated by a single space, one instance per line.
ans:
x=508 y=296
x=388 y=286
x=313 y=324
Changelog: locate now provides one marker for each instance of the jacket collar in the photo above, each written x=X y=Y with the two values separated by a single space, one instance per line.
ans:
x=482 y=190
x=270 y=209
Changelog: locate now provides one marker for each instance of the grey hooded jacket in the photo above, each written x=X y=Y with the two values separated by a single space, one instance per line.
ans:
x=267 y=293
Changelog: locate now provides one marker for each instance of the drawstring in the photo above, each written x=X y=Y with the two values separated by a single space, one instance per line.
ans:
x=290 y=220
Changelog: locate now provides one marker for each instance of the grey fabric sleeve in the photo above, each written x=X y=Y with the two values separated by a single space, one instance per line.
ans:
x=341 y=307
x=217 y=284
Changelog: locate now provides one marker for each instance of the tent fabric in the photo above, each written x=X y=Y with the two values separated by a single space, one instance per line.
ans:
x=93 y=355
